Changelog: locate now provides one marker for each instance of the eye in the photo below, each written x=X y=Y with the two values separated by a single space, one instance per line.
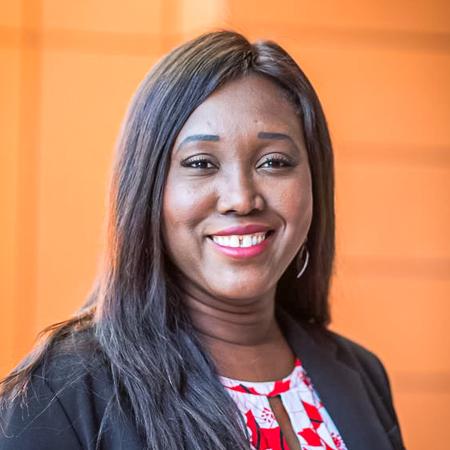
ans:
x=198 y=163
x=276 y=162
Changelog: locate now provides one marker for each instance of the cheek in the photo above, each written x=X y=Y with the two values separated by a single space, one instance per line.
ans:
x=184 y=207
x=296 y=206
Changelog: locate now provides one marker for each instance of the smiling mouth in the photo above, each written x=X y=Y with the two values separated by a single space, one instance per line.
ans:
x=241 y=240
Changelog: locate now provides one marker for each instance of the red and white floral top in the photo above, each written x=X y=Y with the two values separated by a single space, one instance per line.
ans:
x=309 y=419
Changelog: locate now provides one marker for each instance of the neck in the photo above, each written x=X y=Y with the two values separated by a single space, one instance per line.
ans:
x=242 y=335
x=239 y=322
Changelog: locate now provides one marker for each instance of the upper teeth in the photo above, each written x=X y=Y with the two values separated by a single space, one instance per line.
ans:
x=242 y=240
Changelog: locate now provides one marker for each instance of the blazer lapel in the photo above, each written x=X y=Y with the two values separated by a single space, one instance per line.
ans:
x=339 y=387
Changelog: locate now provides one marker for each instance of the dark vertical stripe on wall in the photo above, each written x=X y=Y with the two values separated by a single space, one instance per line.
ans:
x=170 y=24
x=28 y=177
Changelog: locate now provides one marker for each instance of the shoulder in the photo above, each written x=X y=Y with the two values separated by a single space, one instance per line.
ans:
x=310 y=338
x=64 y=402
x=372 y=373
x=346 y=349
x=75 y=368
x=354 y=355
x=364 y=361
x=368 y=360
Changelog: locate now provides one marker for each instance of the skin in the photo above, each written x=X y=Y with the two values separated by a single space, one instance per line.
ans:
x=231 y=301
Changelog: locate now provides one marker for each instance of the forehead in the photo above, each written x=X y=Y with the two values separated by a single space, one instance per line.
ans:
x=246 y=105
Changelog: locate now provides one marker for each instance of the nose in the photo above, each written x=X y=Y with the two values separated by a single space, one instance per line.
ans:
x=239 y=193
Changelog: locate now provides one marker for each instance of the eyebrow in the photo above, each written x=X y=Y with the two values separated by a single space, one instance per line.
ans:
x=215 y=138
x=200 y=137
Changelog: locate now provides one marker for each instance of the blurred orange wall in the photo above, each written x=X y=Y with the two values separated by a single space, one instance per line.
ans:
x=382 y=71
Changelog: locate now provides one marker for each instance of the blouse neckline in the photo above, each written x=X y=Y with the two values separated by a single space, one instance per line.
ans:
x=266 y=388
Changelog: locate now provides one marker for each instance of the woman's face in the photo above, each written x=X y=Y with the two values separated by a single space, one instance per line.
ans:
x=240 y=159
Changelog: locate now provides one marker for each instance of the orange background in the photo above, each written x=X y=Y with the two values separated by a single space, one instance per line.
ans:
x=382 y=70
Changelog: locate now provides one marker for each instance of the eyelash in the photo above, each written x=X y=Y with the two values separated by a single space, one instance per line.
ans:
x=188 y=163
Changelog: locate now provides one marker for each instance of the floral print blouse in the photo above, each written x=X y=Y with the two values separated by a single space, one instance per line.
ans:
x=311 y=423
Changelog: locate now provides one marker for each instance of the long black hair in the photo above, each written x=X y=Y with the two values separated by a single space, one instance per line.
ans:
x=135 y=309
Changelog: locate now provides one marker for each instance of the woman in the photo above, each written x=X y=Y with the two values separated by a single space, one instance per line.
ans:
x=207 y=326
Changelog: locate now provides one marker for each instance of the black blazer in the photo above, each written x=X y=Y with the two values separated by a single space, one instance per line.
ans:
x=67 y=399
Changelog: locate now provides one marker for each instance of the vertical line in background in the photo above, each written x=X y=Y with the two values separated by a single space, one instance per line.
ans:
x=28 y=177
x=182 y=20
x=170 y=24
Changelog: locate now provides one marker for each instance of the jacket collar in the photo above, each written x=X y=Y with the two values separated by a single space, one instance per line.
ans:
x=339 y=386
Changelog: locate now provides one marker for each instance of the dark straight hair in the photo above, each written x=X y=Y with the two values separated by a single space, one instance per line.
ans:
x=135 y=311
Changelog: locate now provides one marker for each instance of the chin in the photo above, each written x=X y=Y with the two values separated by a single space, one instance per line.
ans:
x=242 y=293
